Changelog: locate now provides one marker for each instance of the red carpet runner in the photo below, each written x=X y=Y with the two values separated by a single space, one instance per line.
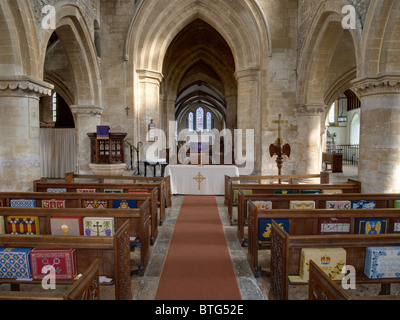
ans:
x=198 y=265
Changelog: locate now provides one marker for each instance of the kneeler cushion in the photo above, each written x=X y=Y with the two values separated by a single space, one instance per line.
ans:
x=53 y=204
x=371 y=226
x=98 y=227
x=124 y=204
x=382 y=262
x=15 y=263
x=23 y=203
x=66 y=226
x=302 y=205
x=23 y=225
x=95 y=204
x=331 y=261
x=62 y=260
x=264 y=227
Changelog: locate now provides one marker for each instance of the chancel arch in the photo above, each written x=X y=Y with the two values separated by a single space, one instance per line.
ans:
x=245 y=34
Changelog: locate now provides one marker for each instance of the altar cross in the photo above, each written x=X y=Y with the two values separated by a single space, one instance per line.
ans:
x=199 y=178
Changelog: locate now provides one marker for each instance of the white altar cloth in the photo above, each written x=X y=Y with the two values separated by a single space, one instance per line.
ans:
x=199 y=180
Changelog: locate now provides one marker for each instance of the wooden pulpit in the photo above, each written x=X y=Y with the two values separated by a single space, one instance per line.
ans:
x=107 y=151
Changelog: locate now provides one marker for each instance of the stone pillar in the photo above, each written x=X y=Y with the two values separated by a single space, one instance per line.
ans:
x=309 y=149
x=87 y=118
x=20 y=132
x=148 y=105
x=231 y=111
x=249 y=111
x=379 y=163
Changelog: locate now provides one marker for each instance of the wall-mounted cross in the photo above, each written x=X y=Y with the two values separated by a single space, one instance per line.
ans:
x=199 y=178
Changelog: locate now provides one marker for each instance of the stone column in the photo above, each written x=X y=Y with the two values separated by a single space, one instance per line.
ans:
x=87 y=118
x=231 y=111
x=309 y=155
x=249 y=111
x=148 y=105
x=20 y=132
x=379 y=163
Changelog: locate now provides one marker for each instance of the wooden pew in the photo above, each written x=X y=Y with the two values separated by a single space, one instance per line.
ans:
x=75 y=200
x=286 y=250
x=138 y=220
x=113 y=254
x=304 y=223
x=352 y=186
x=158 y=190
x=231 y=182
x=283 y=202
x=321 y=287
x=164 y=184
x=85 y=288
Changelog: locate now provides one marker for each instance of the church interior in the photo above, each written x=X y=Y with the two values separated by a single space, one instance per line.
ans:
x=204 y=106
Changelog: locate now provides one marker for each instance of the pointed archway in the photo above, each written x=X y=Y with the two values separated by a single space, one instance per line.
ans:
x=242 y=26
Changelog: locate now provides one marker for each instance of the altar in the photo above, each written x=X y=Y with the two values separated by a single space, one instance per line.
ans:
x=199 y=180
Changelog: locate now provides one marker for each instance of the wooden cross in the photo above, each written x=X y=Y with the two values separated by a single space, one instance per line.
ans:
x=199 y=178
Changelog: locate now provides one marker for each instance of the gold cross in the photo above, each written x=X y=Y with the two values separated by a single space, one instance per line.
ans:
x=199 y=178
x=279 y=122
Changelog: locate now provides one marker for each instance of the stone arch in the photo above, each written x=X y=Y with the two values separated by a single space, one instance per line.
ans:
x=78 y=42
x=323 y=72
x=379 y=50
x=319 y=77
x=155 y=25
x=208 y=58
x=238 y=24
x=19 y=40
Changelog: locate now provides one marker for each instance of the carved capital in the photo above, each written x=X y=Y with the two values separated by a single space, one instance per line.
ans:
x=310 y=110
x=251 y=74
x=384 y=84
x=93 y=111
x=18 y=85
x=150 y=76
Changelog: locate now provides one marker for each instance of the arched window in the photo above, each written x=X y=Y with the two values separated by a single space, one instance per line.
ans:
x=54 y=106
x=200 y=119
x=209 y=121
x=191 y=122
x=355 y=130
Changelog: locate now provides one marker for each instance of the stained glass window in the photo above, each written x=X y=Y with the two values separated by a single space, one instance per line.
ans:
x=209 y=121
x=191 y=122
x=200 y=119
